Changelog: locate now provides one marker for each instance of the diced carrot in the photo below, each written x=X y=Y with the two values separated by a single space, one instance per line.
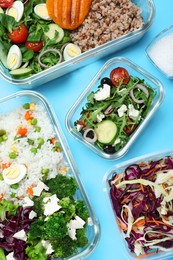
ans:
x=5 y=165
x=53 y=140
x=58 y=149
x=28 y=115
x=1 y=196
x=30 y=191
x=22 y=131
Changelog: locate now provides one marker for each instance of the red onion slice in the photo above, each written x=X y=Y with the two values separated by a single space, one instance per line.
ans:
x=87 y=136
x=141 y=87
x=46 y=51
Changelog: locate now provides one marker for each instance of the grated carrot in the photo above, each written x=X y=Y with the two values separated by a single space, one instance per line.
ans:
x=30 y=191
x=5 y=165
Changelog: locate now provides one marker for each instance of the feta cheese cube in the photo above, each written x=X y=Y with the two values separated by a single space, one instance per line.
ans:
x=27 y=202
x=32 y=214
x=39 y=188
x=103 y=93
x=10 y=256
x=122 y=110
x=117 y=141
x=47 y=245
x=21 y=235
x=132 y=112
x=100 y=117
x=51 y=205
x=74 y=224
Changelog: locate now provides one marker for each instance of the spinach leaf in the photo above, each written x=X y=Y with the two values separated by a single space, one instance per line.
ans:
x=7 y=21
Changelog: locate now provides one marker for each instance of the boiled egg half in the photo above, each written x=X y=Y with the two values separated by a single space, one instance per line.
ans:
x=71 y=50
x=14 y=174
x=14 y=57
x=16 y=10
x=1 y=11
x=41 y=11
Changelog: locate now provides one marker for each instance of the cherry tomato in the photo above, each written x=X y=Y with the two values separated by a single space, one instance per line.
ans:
x=19 y=35
x=130 y=129
x=35 y=46
x=6 y=3
x=119 y=76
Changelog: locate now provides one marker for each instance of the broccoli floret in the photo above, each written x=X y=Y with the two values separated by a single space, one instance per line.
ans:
x=55 y=227
x=82 y=240
x=36 y=251
x=81 y=210
x=36 y=229
x=64 y=247
x=62 y=186
x=39 y=204
x=68 y=208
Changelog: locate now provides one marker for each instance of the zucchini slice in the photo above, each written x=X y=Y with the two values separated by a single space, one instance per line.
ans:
x=106 y=131
x=53 y=29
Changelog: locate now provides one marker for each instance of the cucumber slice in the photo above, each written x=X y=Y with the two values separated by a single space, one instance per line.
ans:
x=106 y=131
x=53 y=29
x=20 y=71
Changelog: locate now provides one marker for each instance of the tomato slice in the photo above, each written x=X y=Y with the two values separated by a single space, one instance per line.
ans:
x=35 y=46
x=6 y=3
x=19 y=35
x=119 y=75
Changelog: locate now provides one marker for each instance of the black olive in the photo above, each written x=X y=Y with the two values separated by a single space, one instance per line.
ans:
x=109 y=149
x=106 y=81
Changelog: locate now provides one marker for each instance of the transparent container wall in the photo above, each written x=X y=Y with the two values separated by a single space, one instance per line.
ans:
x=134 y=70
x=119 y=168
x=160 y=53
x=15 y=100
x=148 y=11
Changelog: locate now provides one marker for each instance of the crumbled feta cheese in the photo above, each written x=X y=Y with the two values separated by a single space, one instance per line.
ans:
x=28 y=202
x=103 y=93
x=122 y=110
x=132 y=112
x=117 y=141
x=39 y=188
x=32 y=214
x=74 y=224
x=10 y=256
x=100 y=117
x=79 y=127
x=47 y=245
x=21 y=235
x=51 y=205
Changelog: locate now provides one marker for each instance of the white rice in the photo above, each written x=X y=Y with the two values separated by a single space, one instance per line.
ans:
x=43 y=159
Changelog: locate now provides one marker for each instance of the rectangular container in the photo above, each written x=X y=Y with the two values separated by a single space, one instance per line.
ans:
x=17 y=99
x=148 y=11
x=134 y=70
x=119 y=168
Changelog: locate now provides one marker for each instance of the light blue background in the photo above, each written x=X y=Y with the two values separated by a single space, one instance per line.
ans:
x=157 y=136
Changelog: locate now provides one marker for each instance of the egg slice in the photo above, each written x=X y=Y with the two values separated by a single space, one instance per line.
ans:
x=14 y=57
x=41 y=11
x=14 y=174
x=1 y=11
x=71 y=51
x=16 y=10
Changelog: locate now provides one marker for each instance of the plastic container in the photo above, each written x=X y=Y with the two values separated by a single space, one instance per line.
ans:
x=119 y=168
x=134 y=70
x=148 y=11
x=17 y=99
x=159 y=51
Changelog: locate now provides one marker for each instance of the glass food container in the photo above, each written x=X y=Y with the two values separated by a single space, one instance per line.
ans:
x=135 y=71
x=12 y=102
x=148 y=12
x=120 y=169
x=159 y=51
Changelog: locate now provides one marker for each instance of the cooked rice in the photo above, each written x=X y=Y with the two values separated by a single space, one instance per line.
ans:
x=107 y=20
x=43 y=159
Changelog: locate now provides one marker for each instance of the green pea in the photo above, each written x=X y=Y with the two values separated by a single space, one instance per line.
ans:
x=45 y=171
x=2 y=132
x=33 y=150
x=1 y=177
x=26 y=106
x=12 y=155
x=13 y=195
x=14 y=186
x=30 y=141
x=40 y=142
x=34 y=121
x=37 y=129
x=1 y=139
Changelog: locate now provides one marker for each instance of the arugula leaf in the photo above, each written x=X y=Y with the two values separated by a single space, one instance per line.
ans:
x=7 y=21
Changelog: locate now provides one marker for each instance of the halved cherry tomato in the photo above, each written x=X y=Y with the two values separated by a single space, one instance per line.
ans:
x=6 y=3
x=119 y=75
x=35 y=46
x=19 y=35
x=129 y=129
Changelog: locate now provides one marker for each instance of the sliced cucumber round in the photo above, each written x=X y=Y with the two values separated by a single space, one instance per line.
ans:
x=20 y=71
x=55 y=32
x=106 y=131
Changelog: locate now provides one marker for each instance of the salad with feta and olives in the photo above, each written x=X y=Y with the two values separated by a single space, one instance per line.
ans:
x=115 y=110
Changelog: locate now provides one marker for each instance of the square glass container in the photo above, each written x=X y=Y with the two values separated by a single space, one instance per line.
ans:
x=9 y=104
x=148 y=12
x=134 y=70
x=119 y=168
x=160 y=53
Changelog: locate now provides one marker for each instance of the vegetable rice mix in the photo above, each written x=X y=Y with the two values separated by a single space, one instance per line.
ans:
x=40 y=216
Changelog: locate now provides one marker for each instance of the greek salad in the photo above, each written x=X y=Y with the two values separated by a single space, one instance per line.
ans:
x=114 y=111
x=142 y=198
x=29 y=40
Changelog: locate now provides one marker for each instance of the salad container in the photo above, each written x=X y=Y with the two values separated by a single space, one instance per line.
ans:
x=107 y=183
x=12 y=102
x=31 y=82
x=134 y=70
x=159 y=51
